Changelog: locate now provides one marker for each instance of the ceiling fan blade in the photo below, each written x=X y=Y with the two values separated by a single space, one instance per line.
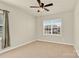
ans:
x=51 y=4
x=39 y=2
x=34 y=7
x=46 y=9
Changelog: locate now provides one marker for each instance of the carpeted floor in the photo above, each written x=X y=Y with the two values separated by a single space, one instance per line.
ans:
x=40 y=49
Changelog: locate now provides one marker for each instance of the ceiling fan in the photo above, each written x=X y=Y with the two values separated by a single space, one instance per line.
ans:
x=42 y=5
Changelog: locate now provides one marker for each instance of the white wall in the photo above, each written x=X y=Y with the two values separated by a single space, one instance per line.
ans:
x=67 y=28
x=22 y=25
x=76 y=28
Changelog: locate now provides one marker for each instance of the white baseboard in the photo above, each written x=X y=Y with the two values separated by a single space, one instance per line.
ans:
x=55 y=42
x=12 y=48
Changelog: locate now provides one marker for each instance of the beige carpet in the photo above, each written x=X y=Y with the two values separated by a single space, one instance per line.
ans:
x=40 y=49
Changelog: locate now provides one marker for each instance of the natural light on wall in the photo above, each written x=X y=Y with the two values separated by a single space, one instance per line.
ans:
x=52 y=27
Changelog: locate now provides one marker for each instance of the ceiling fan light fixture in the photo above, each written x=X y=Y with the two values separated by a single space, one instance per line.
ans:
x=42 y=5
x=38 y=11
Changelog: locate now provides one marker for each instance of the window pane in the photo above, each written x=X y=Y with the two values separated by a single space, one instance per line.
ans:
x=1 y=19
x=47 y=29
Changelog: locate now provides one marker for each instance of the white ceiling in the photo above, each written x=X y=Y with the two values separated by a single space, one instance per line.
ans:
x=59 y=6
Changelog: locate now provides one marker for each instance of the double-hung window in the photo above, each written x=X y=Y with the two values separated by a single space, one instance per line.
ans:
x=52 y=27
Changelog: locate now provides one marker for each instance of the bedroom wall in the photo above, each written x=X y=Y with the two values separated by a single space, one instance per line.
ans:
x=67 y=28
x=22 y=25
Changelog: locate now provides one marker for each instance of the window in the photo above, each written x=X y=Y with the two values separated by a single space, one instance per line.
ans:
x=52 y=27
x=1 y=25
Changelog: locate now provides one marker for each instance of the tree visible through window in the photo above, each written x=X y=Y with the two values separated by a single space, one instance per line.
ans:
x=51 y=27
